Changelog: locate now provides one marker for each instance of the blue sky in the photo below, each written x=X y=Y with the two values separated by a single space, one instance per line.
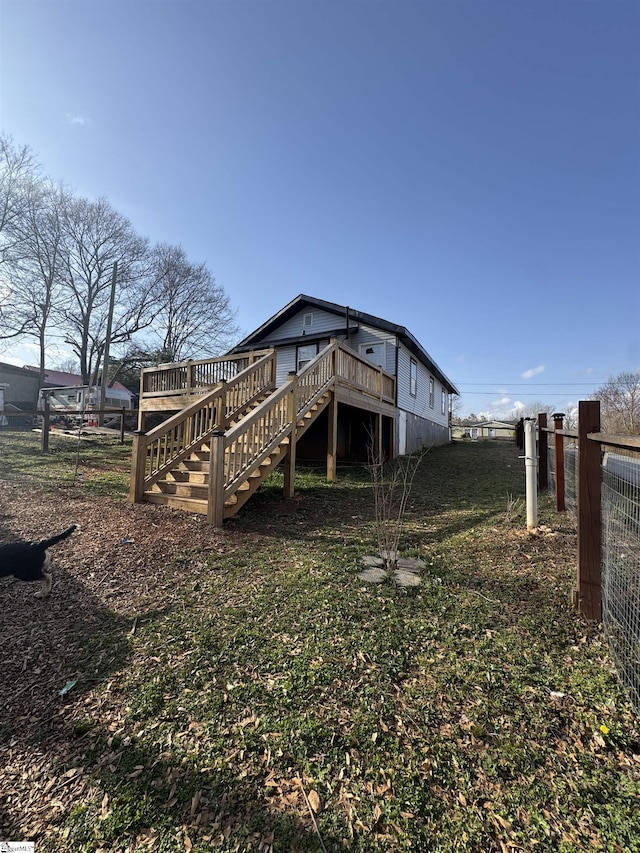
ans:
x=470 y=170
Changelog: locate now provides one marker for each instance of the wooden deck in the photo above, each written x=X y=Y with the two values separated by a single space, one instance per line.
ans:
x=233 y=426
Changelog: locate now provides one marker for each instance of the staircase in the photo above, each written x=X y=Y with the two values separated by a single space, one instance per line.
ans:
x=214 y=454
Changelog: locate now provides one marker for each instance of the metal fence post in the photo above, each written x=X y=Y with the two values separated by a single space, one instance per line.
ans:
x=531 y=463
x=589 y=514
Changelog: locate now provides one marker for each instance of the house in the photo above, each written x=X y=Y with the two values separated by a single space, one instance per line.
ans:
x=422 y=392
x=67 y=391
x=20 y=386
x=316 y=381
x=482 y=430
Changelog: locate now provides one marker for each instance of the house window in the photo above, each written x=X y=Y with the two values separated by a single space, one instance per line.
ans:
x=413 y=377
x=304 y=355
x=443 y=402
x=431 y=391
x=307 y=320
x=474 y=432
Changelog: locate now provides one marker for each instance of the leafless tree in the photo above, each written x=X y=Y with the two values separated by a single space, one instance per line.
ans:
x=195 y=318
x=96 y=236
x=19 y=174
x=36 y=274
x=620 y=404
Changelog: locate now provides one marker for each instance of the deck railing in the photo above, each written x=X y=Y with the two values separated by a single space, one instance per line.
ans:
x=193 y=376
x=162 y=448
x=359 y=373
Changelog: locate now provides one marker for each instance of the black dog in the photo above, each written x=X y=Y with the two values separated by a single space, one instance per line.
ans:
x=29 y=561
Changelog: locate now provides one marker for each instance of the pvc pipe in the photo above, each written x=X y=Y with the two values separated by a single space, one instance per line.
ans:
x=531 y=471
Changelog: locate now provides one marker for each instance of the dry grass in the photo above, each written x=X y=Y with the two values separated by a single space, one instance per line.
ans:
x=244 y=690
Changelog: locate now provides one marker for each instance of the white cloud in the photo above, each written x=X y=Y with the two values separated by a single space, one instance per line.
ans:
x=74 y=119
x=503 y=401
x=534 y=371
x=519 y=405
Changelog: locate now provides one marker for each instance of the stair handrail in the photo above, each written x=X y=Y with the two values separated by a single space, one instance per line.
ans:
x=165 y=446
x=248 y=444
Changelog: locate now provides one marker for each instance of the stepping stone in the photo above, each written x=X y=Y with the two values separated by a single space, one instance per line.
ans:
x=372 y=561
x=411 y=564
x=373 y=575
x=406 y=578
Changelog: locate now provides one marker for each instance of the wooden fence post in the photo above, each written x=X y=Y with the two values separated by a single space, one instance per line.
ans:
x=46 y=424
x=589 y=516
x=215 y=502
x=138 y=464
x=559 y=461
x=290 y=461
x=122 y=426
x=543 y=453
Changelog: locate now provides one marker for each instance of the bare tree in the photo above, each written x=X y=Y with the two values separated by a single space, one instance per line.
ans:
x=36 y=276
x=620 y=403
x=195 y=318
x=19 y=173
x=96 y=236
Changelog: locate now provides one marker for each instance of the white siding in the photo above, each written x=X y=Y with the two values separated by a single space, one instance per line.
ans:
x=286 y=363
x=425 y=425
x=323 y=321
x=369 y=335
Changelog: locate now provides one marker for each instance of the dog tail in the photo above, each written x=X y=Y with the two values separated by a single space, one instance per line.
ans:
x=47 y=543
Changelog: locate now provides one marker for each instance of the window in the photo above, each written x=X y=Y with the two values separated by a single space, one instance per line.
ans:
x=431 y=391
x=307 y=320
x=413 y=377
x=305 y=354
x=474 y=432
x=443 y=402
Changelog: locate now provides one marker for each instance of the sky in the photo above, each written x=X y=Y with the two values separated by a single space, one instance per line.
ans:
x=468 y=169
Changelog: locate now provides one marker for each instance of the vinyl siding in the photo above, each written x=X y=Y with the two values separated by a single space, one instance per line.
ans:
x=425 y=425
x=368 y=335
x=323 y=321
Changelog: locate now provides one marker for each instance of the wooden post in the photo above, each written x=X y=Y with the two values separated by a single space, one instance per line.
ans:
x=379 y=449
x=138 y=464
x=189 y=376
x=543 y=453
x=46 y=423
x=122 y=426
x=215 y=503
x=559 y=461
x=332 y=439
x=290 y=461
x=589 y=516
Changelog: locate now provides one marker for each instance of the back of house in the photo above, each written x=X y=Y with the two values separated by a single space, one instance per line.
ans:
x=422 y=391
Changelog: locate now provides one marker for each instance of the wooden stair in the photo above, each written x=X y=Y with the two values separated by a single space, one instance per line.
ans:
x=186 y=486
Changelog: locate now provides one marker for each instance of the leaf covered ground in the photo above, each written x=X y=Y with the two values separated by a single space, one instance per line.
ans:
x=191 y=689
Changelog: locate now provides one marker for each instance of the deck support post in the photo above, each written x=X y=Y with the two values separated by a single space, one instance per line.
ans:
x=215 y=502
x=138 y=462
x=589 y=518
x=332 y=439
x=290 y=459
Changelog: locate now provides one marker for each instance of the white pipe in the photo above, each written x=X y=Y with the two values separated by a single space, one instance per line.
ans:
x=531 y=471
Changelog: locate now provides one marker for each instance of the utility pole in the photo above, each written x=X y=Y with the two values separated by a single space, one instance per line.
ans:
x=105 y=366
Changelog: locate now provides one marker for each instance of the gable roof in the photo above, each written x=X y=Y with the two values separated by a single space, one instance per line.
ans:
x=302 y=301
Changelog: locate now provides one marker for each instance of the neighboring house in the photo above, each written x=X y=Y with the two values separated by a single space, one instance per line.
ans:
x=66 y=391
x=486 y=430
x=304 y=327
x=20 y=386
